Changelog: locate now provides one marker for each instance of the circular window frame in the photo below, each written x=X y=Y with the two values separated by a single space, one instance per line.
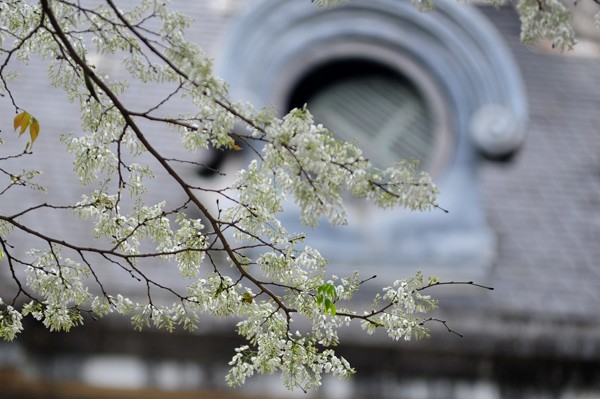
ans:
x=436 y=101
x=455 y=57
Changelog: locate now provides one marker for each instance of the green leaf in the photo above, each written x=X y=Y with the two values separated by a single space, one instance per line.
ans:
x=332 y=310
x=326 y=297
x=90 y=86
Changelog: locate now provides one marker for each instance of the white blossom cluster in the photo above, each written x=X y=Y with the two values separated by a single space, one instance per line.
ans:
x=238 y=261
x=10 y=321
x=546 y=19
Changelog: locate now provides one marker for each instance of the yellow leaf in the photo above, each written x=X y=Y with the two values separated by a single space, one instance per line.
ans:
x=22 y=121
x=18 y=119
x=34 y=129
x=247 y=297
x=233 y=145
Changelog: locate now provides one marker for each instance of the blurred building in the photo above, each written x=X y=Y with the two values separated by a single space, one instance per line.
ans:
x=510 y=134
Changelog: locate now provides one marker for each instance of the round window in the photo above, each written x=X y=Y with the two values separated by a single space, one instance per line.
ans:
x=371 y=104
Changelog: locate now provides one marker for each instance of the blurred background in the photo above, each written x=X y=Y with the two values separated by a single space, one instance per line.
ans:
x=509 y=133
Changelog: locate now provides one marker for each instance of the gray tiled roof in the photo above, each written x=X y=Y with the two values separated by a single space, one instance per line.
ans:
x=544 y=205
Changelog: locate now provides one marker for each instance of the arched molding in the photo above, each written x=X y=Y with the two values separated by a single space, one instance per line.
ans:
x=455 y=45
